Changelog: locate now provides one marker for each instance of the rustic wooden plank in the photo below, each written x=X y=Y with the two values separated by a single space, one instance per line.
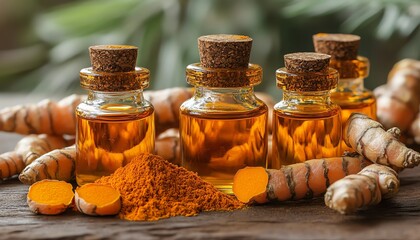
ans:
x=393 y=219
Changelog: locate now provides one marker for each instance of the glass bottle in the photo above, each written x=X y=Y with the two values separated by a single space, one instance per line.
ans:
x=115 y=123
x=223 y=127
x=350 y=94
x=306 y=124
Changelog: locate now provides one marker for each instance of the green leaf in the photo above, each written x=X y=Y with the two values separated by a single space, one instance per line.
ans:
x=387 y=25
x=361 y=17
x=82 y=18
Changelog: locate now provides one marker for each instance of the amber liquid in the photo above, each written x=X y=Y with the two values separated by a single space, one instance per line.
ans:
x=297 y=138
x=362 y=103
x=105 y=143
x=216 y=147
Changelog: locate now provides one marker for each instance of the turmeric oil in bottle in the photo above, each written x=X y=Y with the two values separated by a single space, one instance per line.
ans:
x=115 y=123
x=350 y=93
x=223 y=127
x=306 y=124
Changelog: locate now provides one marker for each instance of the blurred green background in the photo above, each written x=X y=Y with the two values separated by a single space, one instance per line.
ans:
x=44 y=43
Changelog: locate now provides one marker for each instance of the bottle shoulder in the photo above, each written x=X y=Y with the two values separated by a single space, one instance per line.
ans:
x=365 y=97
x=227 y=108
x=361 y=92
x=307 y=110
x=92 y=109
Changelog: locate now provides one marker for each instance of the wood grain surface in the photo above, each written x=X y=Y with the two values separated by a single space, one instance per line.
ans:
x=396 y=218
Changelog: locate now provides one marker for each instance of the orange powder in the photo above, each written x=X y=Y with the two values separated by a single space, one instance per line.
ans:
x=152 y=188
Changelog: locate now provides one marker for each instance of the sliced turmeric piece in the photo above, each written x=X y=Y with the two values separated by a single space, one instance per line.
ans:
x=97 y=199
x=250 y=182
x=50 y=197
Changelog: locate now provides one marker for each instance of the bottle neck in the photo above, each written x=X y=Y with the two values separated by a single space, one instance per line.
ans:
x=313 y=104
x=124 y=97
x=307 y=98
x=223 y=102
x=354 y=85
x=225 y=94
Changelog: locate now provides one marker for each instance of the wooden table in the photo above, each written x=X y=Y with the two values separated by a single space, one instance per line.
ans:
x=396 y=218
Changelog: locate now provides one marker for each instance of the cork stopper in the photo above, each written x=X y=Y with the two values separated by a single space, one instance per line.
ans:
x=339 y=46
x=114 y=70
x=306 y=72
x=113 y=58
x=224 y=51
x=306 y=62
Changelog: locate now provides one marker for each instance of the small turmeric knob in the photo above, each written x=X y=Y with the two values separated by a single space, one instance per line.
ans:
x=224 y=51
x=339 y=46
x=113 y=58
x=306 y=62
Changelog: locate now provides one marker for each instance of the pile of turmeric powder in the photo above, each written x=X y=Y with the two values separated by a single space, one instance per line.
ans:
x=151 y=188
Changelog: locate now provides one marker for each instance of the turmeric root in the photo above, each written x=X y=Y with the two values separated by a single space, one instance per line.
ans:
x=58 y=164
x=398 y=101
x=168 y=148
x=50 y=197
x=97 y=200
x=364 y=189
x=28 y=149
x=54 y=118
x=33 y=146
x=368 y=138
x=11 y=163
x=245 y=154
x=386 y=177
x=166 y=103
x=415 y=129
x=293 y=182
x=58 y=118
